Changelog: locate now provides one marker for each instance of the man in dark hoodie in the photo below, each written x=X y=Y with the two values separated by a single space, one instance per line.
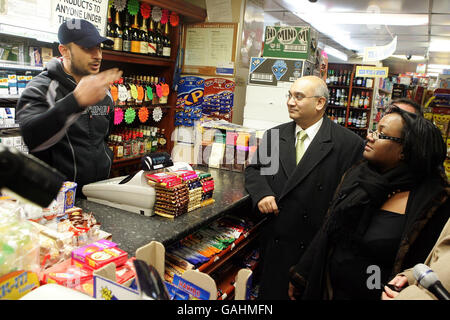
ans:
x=65 y=113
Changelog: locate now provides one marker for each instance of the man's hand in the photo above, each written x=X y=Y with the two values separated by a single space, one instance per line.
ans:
x=92 y=89
x=268 y=205
x=293 y=292
x=399 y=281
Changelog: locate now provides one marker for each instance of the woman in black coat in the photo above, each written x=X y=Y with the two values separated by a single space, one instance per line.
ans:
x=386 y=214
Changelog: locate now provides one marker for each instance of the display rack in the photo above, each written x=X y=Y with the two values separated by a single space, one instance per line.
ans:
x=347 y=110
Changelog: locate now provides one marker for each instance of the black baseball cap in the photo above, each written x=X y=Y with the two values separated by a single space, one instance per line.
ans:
x=81 y=32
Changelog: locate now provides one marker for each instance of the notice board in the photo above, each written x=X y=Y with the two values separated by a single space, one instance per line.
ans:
x=210 y=49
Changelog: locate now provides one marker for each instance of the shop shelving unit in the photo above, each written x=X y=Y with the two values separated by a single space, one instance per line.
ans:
x=351 y=68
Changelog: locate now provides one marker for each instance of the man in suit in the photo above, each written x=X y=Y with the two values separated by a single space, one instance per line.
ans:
x=309 y=155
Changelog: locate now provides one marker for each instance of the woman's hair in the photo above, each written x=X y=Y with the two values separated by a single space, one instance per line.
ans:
x=424 y=148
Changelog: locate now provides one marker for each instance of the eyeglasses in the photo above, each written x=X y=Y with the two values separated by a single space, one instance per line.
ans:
x=377 y=135
x=299 y=97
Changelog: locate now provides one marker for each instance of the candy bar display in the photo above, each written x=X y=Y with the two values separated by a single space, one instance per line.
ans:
x=180 y=191
x=203 y=246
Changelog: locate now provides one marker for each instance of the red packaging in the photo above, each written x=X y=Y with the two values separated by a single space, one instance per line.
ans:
x=101 y=258
x=126 y=272
x=70 y=277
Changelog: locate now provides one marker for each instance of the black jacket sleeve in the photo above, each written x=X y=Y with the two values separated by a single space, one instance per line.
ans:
x=255 y=183
x=42 y=119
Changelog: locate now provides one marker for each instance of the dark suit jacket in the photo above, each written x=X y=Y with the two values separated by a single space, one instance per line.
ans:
x=303 y=193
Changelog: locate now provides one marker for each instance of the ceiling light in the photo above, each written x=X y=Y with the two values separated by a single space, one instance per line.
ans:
x=403 y=57
x=439 y=66
x=335 y=53
x=434 y=70
x=439 y=46
x=389 y=19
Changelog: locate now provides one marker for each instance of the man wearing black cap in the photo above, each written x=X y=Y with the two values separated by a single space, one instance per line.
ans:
x=66 y=111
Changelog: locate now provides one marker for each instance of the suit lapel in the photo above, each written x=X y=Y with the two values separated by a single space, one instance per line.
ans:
x=287 y=149
x=316 y=152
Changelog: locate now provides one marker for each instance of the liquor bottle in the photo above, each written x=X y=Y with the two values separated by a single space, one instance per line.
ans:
x=155 y=96
x=134 y=146
x=344 y=112
x=366 y=101
x=109 y=31
x=126 y=146
x=364 y=120
x=332 y=95
x=111 y=142
x=361 y=100
x=338 y=97
x=336 y=78
x=327 y=80
x=159 y=41
x=166 y=43
x=363 y=82
x=119 y=150
x=358 y=82
x=151 y=40
x=350 y=119
x=356 y=103
x=163 y=139
x=349 y=75
x=126 y=34
x=117 y=34
x=344 y=79
x=135 y=43
x=143 y=37
x=154 y=140
x=141 y=144
x=342 y=100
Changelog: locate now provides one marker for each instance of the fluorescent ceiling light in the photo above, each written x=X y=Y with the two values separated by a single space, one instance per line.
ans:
x=335 y=53
x=413 y=58
x=438 y=66
x=389 y=19
x=439 y=46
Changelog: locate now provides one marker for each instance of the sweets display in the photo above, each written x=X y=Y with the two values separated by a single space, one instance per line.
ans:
x=204 y=245
x=180 y=191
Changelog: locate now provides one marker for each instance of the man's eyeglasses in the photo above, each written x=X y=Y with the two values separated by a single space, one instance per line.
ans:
x=377 y=135
x=299 y=97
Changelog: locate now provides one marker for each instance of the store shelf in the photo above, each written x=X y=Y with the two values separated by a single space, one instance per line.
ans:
x=226 y=283
x=144 y=104
x=9 y=99
x=120 y=56
x=384 y=91
x=240 y=243
x=336 y=107
x=338 y=86
x=355 y=128
x=362 y=88
x=14 y=66
x=358 y=109
x=9 y=126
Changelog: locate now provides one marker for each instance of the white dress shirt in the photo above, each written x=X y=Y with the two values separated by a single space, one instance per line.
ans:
x=311 y=132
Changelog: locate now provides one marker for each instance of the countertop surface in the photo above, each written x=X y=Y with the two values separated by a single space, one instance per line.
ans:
x=131 y=230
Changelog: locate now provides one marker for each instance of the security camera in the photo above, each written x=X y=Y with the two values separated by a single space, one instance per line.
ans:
x=408 y=57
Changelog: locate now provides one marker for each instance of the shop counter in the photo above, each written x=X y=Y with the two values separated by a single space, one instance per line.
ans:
x=131 y=230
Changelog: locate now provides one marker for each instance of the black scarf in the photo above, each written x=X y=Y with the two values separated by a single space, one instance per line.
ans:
x=362 y=191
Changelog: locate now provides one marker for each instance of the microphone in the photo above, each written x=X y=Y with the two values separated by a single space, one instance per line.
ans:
x=429 y=280
x=28 y=176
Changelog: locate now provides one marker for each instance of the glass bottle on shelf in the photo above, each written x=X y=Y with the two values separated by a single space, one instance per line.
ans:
x=117 y=33
x=366 y=101
x=151 y=40
x=144 y=37
x=126 y=146
x=349 y=75
x=163 y=139
x=356 y=102
x=154 y=140
x=135 y=43
x=361 y=100
x=159 y=41
x=109 y=31
x=119 y=154
x=126 y=34
x=166 y=43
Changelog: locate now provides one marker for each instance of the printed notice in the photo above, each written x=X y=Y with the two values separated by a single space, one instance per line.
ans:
x=210 y=45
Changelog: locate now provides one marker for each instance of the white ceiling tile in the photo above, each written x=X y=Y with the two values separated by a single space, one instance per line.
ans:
x=441 y=6
x=440 y=30
x=440 y=19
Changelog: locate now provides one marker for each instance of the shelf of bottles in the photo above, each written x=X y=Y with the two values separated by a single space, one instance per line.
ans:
x=137 y=39
x=350 y=98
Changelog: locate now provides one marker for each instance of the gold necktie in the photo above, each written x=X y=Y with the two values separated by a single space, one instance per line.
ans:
x=300 y=147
